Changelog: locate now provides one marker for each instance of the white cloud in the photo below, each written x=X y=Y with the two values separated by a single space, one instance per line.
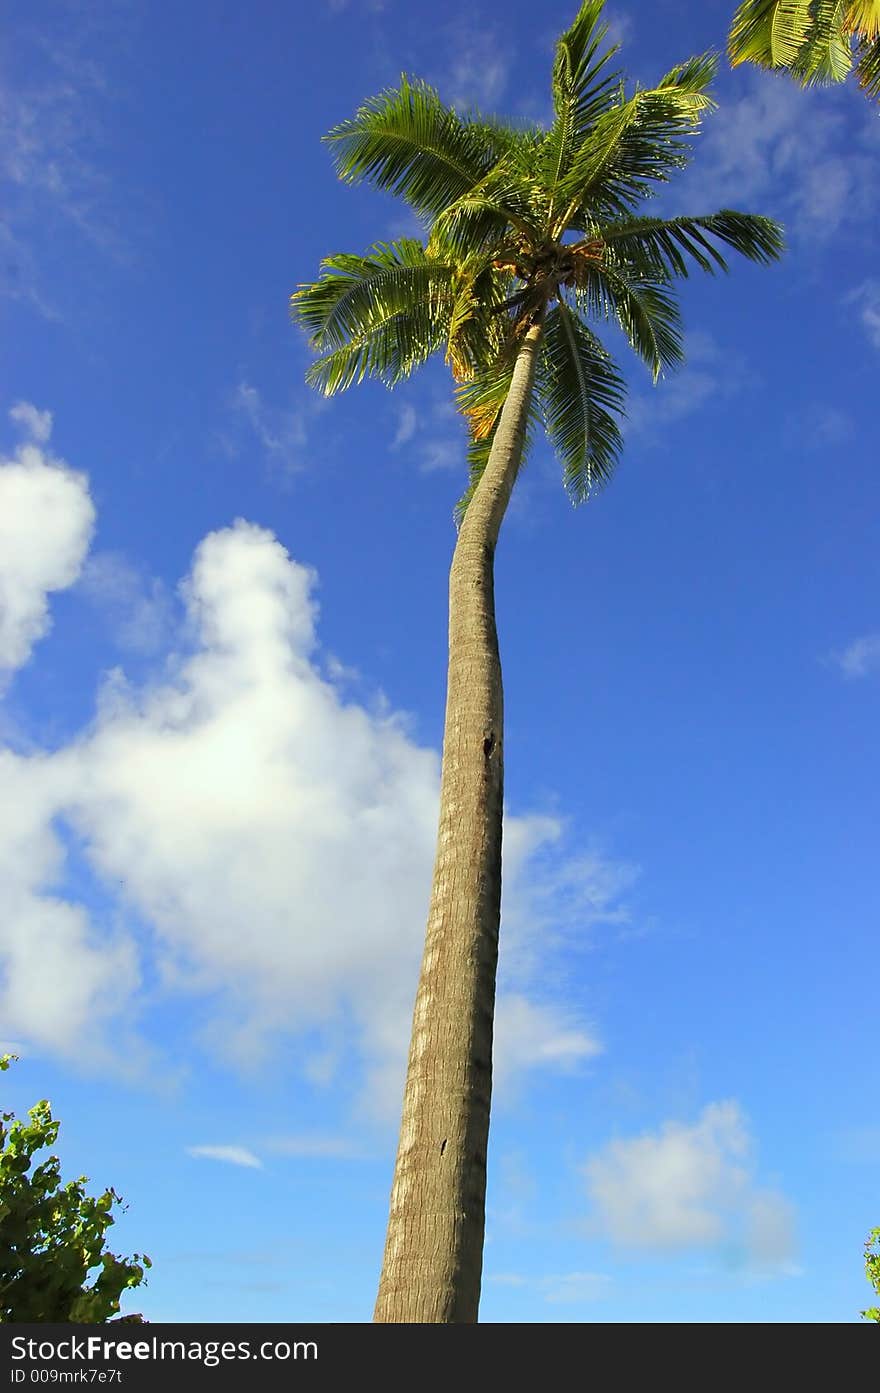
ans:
x=63 y=977
x=690 y=1187
x=860 y=658
x=275 y=841
x=867 y=298
x=46 y=523
x=529 y=1035
x=232 y=1155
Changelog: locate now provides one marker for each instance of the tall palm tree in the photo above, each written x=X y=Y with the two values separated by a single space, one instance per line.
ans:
x=531 y=234
x=815 y=40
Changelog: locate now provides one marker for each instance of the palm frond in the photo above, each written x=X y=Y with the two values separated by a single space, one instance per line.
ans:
x=582 y=396
x=406 y=141
x=378 y=315
x=504 y=200
x=769 y=33
x=582 y=88
x=644 y=308
x=827 y=54
x=477 y=330
x=635 y=145
x=863 y=19
x=663 y=247
x=868 y=68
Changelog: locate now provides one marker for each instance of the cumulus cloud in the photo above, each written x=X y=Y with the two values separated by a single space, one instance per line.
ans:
x=686 y=1187
x=64 y=977
x=231 y=1155
x=46 y=523
x=272 y=843
x=860 y=657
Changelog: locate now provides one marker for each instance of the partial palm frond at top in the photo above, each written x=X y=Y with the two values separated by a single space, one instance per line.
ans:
x=527 y=226
x=817 y=41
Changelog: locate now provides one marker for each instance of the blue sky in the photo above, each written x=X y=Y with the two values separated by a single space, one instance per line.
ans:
x=222 y=630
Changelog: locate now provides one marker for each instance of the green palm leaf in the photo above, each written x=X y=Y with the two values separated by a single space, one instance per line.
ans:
x=635 y=145
x=406 y=141
x=663 y=247
x=770 y=33
x=380 y=315
x=583 y=90
x=868 y=68
x=582 y=396
x=827 y=54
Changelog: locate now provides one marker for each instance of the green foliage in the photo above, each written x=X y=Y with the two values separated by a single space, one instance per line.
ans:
x=53 y=1266
x=817 y=41
x=526 y=226
x=872 y=1271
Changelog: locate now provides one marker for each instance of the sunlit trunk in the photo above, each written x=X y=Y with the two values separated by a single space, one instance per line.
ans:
x=434 y=1246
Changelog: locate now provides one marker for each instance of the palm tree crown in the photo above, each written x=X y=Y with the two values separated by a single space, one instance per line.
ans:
x=526 y=225
x=815 y=40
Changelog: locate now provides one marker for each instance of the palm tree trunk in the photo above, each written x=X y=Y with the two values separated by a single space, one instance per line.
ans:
x=434 y=1246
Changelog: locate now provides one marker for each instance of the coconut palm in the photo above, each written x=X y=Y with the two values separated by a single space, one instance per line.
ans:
x=533 y=237
x=815 y=40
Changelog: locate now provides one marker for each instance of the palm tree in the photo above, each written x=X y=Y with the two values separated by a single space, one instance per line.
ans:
x=531 y=233
x=815 y=40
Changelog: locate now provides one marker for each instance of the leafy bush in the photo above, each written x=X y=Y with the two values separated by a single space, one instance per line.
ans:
x=872 y=1270
x=52 y=1234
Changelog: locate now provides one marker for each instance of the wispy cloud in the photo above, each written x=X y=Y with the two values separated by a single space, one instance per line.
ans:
x=709 y=374
x=432 y=434
x=819 y=426
x=792 y=154
x=137 y=608
x=54 y=117
x=34 y=423
x=280 y=431
x=620 y=24
x=691 y=1187
x=860 y=657
x=407 y=420
x=866 y=298
x=475 y=68
x=231 y=1155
